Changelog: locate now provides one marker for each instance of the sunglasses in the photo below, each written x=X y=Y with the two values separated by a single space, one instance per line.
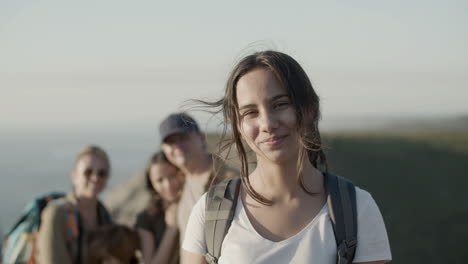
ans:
x=100 y=173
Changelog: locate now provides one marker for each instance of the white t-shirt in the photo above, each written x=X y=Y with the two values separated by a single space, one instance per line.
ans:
x=314 y=244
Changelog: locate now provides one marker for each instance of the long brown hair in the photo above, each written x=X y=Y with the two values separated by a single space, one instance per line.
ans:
x=303 y=97
x=156 y=204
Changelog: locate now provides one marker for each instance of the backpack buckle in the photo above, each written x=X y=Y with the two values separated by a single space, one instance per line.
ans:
x=346 y=251
x=211 y=259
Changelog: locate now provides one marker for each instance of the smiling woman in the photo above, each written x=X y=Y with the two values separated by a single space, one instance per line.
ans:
x=156 y=225
x=91 y=173
x=282 y=213
x=264 y=105
x=65 y=222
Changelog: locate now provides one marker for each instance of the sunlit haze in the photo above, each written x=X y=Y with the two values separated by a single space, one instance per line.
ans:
x=80 y=63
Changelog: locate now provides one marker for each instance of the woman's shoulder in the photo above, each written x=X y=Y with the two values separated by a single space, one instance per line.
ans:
x=148 y=215
x=147 y=219
x=56 y=210
x=66 y=203
x=362 y=196
x=372 y=235
x=364 y=202
x=367 y=208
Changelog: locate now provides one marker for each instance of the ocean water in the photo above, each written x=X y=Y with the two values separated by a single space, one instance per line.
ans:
x=33 y=162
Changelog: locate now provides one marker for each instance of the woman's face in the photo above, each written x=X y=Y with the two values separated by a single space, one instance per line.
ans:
x=267 y=118
x=166 y=181
x=90 y=176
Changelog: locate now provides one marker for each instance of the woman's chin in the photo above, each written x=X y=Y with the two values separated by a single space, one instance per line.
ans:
x=172 y=199
x=91 y=194
x=86 y=196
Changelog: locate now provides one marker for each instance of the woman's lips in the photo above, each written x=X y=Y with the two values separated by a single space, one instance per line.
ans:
x=274 y=141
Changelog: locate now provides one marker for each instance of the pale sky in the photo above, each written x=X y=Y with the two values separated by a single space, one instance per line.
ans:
x=102 y=62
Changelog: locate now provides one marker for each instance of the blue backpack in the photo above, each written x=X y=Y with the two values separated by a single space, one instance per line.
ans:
x=19 y=243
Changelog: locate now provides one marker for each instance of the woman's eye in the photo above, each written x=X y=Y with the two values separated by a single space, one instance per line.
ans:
x=280 y=104
x=248 y=113
x=103 y=173
x=88 y=172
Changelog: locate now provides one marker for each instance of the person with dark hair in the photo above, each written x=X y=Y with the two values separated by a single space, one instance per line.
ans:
x=157 y=224
x=281 y=213
x=113 y=244
x=184 y=145
x=61 y=237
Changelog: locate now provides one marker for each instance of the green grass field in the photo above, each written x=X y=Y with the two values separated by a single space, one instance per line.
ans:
x=418 y=181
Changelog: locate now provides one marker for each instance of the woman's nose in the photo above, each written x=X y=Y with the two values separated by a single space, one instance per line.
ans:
x=167 y=185
x=94 y=177
x=268 y=121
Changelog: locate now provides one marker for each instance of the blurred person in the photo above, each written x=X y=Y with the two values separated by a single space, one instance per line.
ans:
x=62 y=236
x=157 y=224
x=281 y=210
x=185 y=146
x=113 y=244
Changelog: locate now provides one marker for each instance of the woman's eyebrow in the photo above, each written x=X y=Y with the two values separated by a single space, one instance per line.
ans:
x=246 y=106
x=274 y=98
x=279 y=97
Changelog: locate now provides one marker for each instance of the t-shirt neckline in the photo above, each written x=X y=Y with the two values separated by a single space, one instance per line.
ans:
x=296 y=236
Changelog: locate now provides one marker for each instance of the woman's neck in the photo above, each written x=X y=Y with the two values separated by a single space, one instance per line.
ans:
x=86 y=204
x=88 y=211
x=279 y=182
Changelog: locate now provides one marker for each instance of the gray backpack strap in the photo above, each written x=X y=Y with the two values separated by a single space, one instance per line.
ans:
x=221 y=201
x=343 y=214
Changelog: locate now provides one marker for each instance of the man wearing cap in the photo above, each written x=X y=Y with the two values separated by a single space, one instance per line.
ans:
x=185 y=146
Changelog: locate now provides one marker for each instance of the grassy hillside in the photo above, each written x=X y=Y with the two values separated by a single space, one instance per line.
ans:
x=417 y=180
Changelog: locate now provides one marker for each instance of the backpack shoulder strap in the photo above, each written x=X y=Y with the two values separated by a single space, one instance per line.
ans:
x=221 y=201
x=341 y=199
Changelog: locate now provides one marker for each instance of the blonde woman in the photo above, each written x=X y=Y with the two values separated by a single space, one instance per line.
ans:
x=66 y=222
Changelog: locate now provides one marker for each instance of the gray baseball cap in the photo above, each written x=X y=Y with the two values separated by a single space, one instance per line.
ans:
x=177 y=123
